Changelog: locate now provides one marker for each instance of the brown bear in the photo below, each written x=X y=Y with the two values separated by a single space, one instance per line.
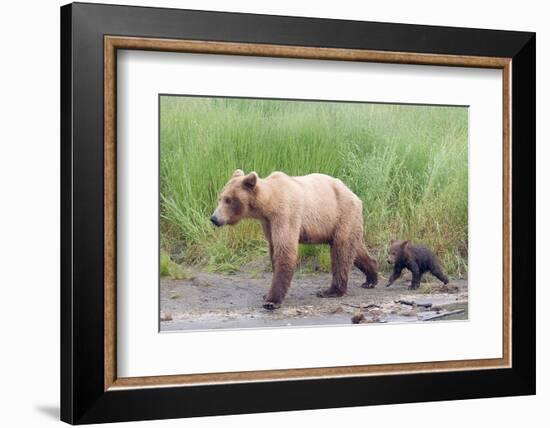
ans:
x=313 y=209
x=416 y=258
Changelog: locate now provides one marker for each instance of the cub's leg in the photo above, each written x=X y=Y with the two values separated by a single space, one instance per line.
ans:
x=416 y=276
x=438 y=273
x=395 y=275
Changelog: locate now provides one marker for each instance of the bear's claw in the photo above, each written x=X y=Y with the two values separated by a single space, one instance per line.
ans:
x=271 y=305
x=368 y=285
x=329 y=292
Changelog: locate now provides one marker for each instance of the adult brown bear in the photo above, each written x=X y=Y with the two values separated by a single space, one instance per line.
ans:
x=313 y=209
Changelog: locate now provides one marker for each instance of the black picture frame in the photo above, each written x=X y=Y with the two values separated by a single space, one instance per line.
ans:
x=83 y=398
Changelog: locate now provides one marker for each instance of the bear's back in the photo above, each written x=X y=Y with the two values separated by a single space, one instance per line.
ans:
x=319 y=195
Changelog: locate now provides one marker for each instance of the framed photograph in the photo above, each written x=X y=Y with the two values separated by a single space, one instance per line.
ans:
x=266 y=213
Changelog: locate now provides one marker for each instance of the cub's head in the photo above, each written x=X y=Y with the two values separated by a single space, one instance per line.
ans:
x=396 y=250
x=236 y=198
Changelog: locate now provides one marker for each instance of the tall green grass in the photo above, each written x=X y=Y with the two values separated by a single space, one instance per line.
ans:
x=408 y=164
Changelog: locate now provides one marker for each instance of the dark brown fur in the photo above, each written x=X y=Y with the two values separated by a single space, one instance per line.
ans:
x=416 y=258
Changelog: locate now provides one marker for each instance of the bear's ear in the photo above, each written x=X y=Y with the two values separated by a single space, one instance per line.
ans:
x=250 y=181
x=405 y=244
x=393 y=241
x=237 y=173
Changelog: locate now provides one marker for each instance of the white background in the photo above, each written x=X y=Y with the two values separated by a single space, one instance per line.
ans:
x=29 y=223
x=144 y=352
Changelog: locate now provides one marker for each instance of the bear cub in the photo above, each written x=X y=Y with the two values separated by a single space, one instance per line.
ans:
x=416 y=258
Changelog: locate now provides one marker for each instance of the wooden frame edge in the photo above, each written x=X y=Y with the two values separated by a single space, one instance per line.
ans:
x=300 y=374
x=112 y=43
x=301 y=52
x=109 y=198
x=507 y=213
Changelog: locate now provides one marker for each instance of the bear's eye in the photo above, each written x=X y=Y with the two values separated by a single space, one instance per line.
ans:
x=227 y=200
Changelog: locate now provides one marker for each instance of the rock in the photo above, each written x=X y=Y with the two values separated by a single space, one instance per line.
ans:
x=358 y=319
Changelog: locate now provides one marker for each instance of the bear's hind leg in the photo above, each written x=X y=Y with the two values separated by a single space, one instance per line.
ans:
x=438 y=273
x=342 y=255
x=368 y=266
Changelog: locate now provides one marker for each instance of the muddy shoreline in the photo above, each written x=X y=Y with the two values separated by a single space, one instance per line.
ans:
x=214 y=301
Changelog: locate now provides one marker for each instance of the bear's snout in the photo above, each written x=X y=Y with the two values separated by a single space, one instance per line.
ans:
x=215 y=221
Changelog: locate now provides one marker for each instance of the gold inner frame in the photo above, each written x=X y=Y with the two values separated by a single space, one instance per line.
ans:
x=113 y=43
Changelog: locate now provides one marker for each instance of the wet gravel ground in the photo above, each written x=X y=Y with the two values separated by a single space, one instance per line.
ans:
x=213 y=301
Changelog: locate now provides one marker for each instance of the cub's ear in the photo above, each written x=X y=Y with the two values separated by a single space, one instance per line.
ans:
x=405 y=244
x=250 y=180
x=393 y=241
x=237 y=173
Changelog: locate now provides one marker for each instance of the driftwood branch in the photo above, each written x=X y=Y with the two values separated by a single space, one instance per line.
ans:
x=370 y=306
x=446 y=314
x=411 y=303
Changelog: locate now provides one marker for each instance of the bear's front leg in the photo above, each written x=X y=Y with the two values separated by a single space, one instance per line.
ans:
x=267 y=234
x=395 y=275
x=284 y=263
x=416 y=277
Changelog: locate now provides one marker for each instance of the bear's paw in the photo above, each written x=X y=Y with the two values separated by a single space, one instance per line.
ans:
x=368 y=285
x=271 y=306
x=330 y=292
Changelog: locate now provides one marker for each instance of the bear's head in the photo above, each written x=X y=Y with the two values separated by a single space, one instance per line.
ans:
x=236 y=199
x=396 y=250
